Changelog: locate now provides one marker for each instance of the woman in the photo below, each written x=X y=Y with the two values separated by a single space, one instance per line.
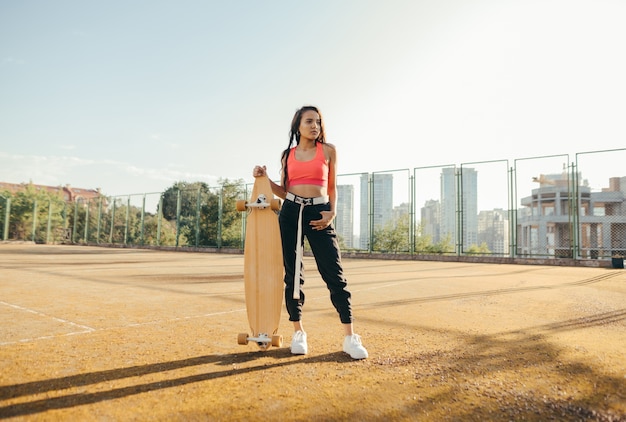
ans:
x=308 y=186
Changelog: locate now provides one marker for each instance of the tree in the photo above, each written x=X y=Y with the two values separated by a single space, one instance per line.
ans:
x=208 y=217
x=478 y=250
x=221 y=223
x=393 y=236
x=230 y=223
x=189 y=193
x=168 y=231
x=35 y=210
x=424 y=243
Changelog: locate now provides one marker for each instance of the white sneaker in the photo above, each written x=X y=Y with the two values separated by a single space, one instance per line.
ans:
x=352 y=346
x=298 y=343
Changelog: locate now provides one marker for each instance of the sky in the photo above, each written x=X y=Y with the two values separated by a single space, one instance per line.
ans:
x=133 y=96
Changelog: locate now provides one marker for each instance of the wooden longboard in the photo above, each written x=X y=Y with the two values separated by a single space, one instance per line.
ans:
x=263 y=266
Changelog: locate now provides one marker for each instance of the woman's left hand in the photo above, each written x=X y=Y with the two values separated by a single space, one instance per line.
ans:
x=322 y=223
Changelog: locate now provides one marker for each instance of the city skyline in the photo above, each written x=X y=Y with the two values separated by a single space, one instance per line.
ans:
x=482 y=227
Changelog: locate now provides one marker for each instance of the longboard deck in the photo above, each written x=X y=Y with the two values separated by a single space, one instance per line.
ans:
x=263 y=266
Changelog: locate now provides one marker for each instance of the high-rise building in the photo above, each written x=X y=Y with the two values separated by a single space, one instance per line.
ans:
x=344 y=222
x=469 y=192
x=447 y=219
x=429 y=220
x=493 y=230
x=377 y=209
x=468 y=208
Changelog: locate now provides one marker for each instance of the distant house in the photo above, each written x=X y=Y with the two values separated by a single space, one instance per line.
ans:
x=69 y=193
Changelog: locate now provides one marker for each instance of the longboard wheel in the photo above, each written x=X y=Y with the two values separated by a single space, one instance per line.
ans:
x=277 y=340
x=242 y=338
x=241 y=205
x=275 y=204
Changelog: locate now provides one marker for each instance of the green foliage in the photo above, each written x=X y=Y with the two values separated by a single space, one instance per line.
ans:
x=206 y=217
x=30 y=211
x=393 y=236
x=478 y=250
x=190 y=194
x=424 y=244
x=231 y=219
x=167 y=235
x=121 y=223
x=193 y=215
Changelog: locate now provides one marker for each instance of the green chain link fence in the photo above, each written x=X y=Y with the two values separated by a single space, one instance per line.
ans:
x=536 y=207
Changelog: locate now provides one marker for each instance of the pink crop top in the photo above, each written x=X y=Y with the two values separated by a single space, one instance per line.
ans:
x=312 y=172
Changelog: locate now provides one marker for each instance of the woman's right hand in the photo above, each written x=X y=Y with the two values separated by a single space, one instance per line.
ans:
x=259 y=171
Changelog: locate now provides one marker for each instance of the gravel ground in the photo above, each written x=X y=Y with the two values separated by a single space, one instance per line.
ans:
x=121 y=334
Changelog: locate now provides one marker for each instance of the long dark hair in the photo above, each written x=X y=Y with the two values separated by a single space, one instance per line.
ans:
x=294 y=136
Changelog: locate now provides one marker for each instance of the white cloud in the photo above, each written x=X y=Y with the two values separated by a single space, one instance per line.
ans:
x=168 y=175
x=111 y=176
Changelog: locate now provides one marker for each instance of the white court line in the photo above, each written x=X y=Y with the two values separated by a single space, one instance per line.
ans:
x=64 y=321
x=91 y=330
x=383 y=286
x=31 y=340
x=140 y=324
x=84 y=328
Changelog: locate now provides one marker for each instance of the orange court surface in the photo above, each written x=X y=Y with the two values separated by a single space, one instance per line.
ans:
x=109 y=334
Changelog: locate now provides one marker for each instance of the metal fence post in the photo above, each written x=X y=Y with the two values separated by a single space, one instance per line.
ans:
x=7 y=215
x=178 y=205
x=159 y=218
x=75 y=221
x=370 y=212
x=220 y=217
x=127 y=219
x=412 y=212
x=459 y=212
x=86 y=233
x=198 y=216
x=143 y=212
x=512 y=213
x=48 y=228
x=34 y=219
x=112 y=221
x=64 y=214
x=574 y=210
x=99 y=219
